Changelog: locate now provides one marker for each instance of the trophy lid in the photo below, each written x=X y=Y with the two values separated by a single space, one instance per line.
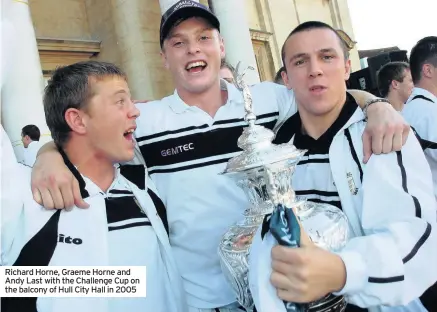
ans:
x=256 y=141
x=258 y=150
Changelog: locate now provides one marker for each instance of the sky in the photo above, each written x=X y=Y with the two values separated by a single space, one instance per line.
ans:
x=386 y=23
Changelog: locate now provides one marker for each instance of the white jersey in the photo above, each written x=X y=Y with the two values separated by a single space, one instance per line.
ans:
x=420 y=112
x=122 y=227
x=30 y=153
x=391 y=258
x=185 y=149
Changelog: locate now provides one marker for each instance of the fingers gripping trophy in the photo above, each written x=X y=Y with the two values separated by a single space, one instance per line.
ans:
x=264 y=171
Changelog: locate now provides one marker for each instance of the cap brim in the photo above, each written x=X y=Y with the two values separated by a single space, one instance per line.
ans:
x=185 y=13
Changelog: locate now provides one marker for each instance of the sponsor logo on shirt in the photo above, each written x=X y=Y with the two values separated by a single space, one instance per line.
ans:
x=178 y=149
x=69 y=240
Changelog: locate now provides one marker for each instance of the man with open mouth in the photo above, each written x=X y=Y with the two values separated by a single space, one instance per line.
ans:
x=92 y=118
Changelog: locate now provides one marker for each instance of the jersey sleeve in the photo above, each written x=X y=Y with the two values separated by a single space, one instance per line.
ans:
x=394 y=262
x=14 y=178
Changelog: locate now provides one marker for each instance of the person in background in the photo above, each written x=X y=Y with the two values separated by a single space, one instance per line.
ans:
x=420 y=109
x=30 y=135
x=395 y=83
x=227 y=71
x=278 y=76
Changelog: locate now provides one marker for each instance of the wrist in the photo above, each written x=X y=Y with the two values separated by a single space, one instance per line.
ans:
x=370 y=103
x=338 y=273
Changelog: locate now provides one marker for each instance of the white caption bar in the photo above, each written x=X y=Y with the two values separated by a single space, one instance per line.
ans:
x=56 y=281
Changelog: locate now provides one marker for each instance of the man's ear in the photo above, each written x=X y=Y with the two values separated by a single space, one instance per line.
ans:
x=75 y=120
x=394 y=84
x=287 y=81
x=348 y=68
x=222 y=47
x=427 y=70
x=164 y=58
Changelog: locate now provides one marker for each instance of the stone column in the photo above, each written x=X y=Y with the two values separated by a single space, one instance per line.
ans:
x=22 y=82
x=130 y=19
x=166 y=4
x=234 y=28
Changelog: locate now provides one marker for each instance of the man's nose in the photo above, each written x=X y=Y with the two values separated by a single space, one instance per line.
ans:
x=315 y=68
x=193 y=47
x=134 y=112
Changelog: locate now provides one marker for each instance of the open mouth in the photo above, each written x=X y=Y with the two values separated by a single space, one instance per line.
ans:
x=196 y=67
x=129 y=135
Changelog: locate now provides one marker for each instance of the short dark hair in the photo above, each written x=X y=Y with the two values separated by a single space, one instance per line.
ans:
x=315 y=25
x=424 y=52
x=70 y=87
x=32 y=131
x=278 y=76
x=388 y=73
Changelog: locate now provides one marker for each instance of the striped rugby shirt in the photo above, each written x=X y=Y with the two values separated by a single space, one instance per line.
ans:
x=185 y=149
x=132 y=240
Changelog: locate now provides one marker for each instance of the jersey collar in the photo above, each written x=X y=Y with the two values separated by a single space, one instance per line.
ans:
x=179 y=106
x=424 y=92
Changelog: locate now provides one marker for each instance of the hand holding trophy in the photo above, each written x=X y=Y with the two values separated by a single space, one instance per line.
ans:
x=264 y=171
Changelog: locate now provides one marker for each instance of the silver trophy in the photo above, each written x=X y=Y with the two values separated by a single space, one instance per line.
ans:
x=264 y=171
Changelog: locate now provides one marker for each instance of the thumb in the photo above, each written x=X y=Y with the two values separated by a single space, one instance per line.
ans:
x=305 y=240
x=367 y=146
x=78 y=201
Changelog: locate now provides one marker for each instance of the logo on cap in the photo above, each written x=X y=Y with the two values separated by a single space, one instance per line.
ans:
x=184 y=4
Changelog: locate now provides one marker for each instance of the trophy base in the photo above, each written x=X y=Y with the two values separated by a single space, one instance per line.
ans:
x=330 y=303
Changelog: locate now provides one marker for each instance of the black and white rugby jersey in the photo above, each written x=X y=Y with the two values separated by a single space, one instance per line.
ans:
x=315 y=182
x=115 y=230
x=185 y=150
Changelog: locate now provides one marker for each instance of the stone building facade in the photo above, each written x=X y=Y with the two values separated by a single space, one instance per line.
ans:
x=126 y=32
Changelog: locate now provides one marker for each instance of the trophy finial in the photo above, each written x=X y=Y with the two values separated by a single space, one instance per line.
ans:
x=247 y=97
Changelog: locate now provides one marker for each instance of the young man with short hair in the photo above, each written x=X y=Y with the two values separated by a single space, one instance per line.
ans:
x=421 y=108
x=390 y=260
x=186 y=139
x=30 y=135
x=395 y=83
x=92 y=119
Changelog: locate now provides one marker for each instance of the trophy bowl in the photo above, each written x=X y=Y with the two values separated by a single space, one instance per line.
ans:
x=235 y=244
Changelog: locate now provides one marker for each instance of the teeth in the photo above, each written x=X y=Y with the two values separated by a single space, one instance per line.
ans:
x=195 y=64
x=129 y=132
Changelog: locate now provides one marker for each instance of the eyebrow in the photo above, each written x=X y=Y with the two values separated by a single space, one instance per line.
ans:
x=172 y=35
x=299 y=55
x=121 y=91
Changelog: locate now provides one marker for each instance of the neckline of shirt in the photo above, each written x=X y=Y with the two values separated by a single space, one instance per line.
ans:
x=424 y=92
x=179 y=106
x=302 y=140
x=86 y=186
